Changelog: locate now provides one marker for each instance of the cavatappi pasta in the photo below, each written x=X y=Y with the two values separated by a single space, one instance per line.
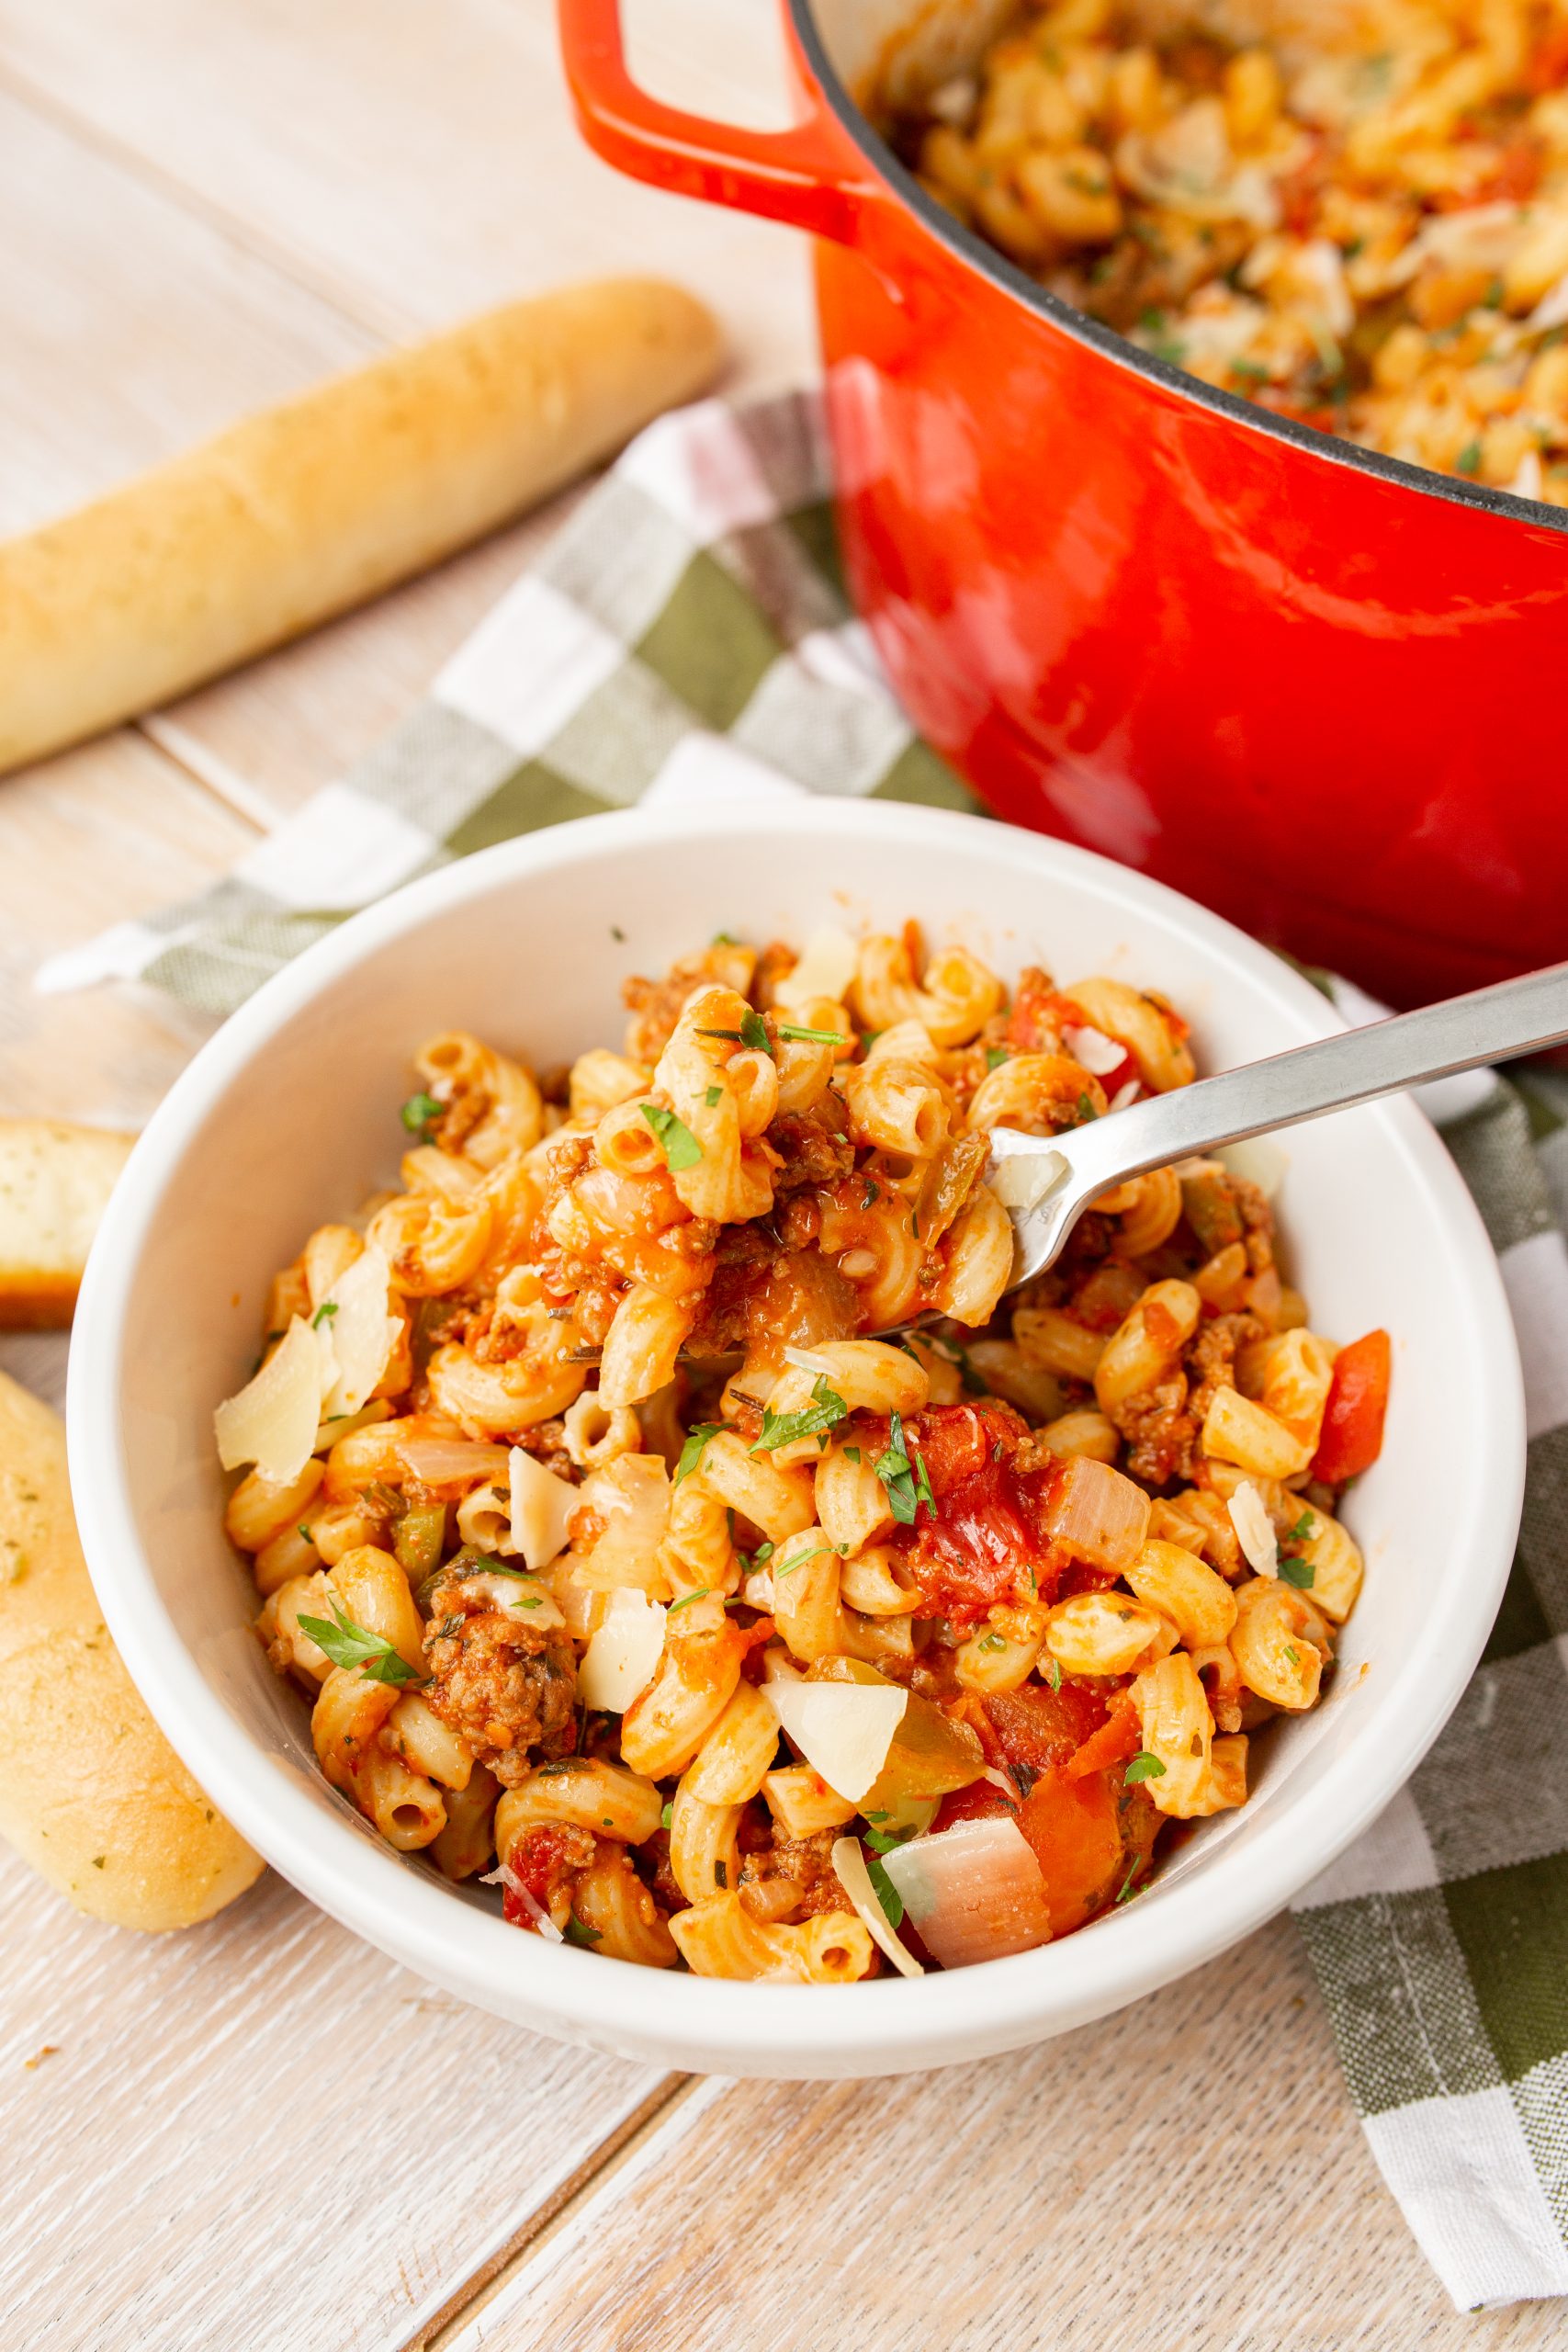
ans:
x=624 y=1566
x=1354 y=212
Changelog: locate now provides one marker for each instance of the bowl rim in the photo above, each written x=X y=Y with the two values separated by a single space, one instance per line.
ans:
x=1326 y=448
x=891 y=2023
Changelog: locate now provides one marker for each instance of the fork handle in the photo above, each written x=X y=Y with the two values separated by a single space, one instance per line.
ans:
x=1491 y=1024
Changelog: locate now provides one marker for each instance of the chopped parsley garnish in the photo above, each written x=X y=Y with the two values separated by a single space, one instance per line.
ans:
x=419 y=1114
x=1053 y=1673
x=713 y=1095
x=810 y=1036
x=578 y=1932
x=825 y=1411
x=679 y=1145
x=1290 y=1653
x=886 y=1893
x=1469 y=458
x=348 y=1645
x=686 y=1598
x=994 y=1641
x=852 y=1454
x=1125 y=1892
x=752 y=1034
x=303 y=1531
x=882 y=1841
x=696 y=1446
x=668 y=1815
x=1297 y=1571
x=724 y=939
x=1302 y=1528
x=323 y=1313
x=800 y=1562
x=995 y=1057
x=906 y=1481
x=1086 y=1110
x=870 y=1195
x=1144 y=1767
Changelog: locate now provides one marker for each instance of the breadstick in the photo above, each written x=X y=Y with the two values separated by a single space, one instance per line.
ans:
x=91 y=1794
x=54 y=1181
x=308 y=509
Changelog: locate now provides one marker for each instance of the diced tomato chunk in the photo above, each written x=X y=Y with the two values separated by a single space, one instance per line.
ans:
x=1118 y=1737
x=1075 y=1829
x=1351 y=1438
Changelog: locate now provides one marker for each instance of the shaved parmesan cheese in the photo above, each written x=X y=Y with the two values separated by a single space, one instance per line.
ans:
x=1125 y=1095
x=758 y=1590
x=623 y=1656
x=541 y=1505
x=364 y=1331
x=826 y=969
x=1254 y=1529
x=1258 y=1162
x=504 y=1875
x=974 y=1892
x=807 y=1361
x=1094 y=1049
x=849 y=1865
x=272 y=1421
x=1023 y=1180
x=342 y=1425
x=843 y=1729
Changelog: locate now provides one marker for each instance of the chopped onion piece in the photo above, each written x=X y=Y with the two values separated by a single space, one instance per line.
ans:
x=364 y=1331
x=843 y=1729
x=1002 y=1780
x=1021 y=1179
x=827 y=967
x=1254 y=1529
x=453 y=1461
x=1094 y=1050
x=541 y=1505
x=623 y=1656
x=1096 y=1513
x=807 y=1361
x=1258 y=1162
x=510 y=1589
x=974 y=1892
x=273 y=1420
x=504 y=1875
x=849 y=1864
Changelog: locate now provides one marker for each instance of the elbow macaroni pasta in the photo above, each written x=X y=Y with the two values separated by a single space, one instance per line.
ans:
x=645 y=1537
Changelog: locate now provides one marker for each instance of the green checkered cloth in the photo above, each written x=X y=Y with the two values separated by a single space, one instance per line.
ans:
x=687 y=638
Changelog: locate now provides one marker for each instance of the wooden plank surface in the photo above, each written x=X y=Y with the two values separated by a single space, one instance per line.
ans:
x=1186 y=2173
x=261 y=2135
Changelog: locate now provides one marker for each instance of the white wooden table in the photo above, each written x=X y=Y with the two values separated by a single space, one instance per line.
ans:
x=261 y=2136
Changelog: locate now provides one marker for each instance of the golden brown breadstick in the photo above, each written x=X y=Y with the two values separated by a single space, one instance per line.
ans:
x=306 y=510
x=91 y=1794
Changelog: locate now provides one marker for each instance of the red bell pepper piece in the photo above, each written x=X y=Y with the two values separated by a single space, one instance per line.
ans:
x=1351 y=1438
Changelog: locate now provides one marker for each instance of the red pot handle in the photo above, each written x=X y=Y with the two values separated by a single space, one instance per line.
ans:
x=806 y=174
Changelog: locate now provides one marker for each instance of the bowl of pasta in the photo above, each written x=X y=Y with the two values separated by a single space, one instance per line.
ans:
x=557 y=1449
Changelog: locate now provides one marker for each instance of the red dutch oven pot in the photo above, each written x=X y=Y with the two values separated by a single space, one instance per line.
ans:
x=1315 y=688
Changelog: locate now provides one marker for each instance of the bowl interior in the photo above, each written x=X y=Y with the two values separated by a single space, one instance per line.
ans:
x=290 y=1118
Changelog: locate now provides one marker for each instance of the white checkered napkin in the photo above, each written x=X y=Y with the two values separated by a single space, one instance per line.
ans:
x=686 y=637
x=1441 y=1940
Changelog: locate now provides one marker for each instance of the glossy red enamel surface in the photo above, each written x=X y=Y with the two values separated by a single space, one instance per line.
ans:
x=1322 y=700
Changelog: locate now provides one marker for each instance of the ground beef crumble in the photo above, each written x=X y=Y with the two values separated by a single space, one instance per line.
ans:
x=508 y=1687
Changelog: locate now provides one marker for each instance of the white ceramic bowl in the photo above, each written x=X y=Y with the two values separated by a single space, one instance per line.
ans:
x=289 y=1116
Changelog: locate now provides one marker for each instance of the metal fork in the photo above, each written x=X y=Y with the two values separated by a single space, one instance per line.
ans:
x=1046 y=1182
